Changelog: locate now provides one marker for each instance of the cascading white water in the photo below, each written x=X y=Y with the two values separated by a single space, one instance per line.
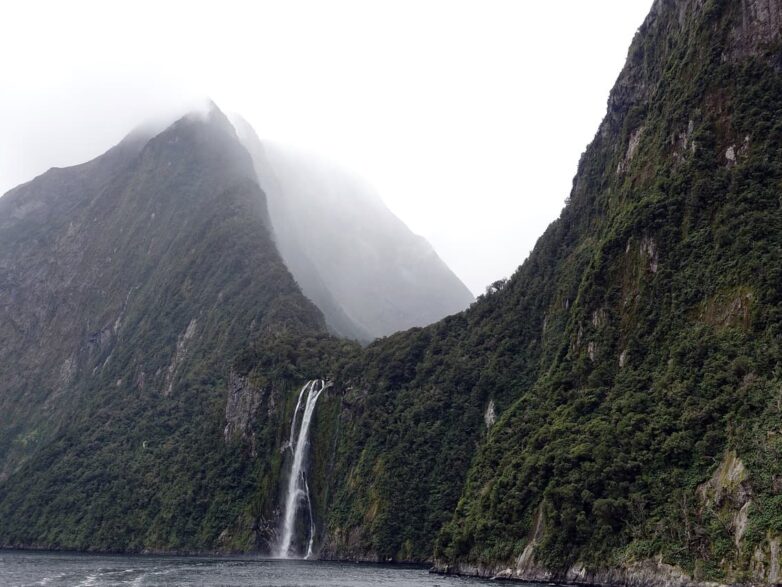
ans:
x=296 y=413
x=298 y=487
x=312 y=520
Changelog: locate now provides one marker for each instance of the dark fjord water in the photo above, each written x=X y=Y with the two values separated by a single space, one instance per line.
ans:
x=23 y=568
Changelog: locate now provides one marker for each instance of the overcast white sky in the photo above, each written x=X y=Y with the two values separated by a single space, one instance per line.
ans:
x=468 y=117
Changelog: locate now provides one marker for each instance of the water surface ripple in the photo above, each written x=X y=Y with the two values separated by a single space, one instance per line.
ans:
x=56 y=569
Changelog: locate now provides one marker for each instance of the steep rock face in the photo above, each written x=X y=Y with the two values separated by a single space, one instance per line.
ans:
x=365 y=270
x=759 y=27
x=636 y=348
x=242 y=409
x=129 y=285
x=692 y=314
x=41 y=289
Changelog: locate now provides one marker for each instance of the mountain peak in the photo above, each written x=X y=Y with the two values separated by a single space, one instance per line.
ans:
x=365 y=269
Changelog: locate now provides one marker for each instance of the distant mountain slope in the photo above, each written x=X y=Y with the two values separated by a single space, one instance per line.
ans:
x=127 y=286
x=366 y=271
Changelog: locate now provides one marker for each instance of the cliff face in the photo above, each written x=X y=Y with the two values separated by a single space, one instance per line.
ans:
x=666 y=369
x=630 y=359
x=128 y=286
x=153 y=341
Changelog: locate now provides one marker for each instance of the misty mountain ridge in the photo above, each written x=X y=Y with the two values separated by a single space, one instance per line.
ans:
x=367 y=272
x=362 y=267
x=131 y=273
x=131 y=287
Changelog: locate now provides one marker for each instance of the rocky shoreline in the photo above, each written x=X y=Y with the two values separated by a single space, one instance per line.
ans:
x=650 y=573
x=641 y=574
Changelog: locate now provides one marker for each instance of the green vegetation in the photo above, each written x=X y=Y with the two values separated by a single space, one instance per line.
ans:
x=638 y=343
x=124 y=449
x=616 y=401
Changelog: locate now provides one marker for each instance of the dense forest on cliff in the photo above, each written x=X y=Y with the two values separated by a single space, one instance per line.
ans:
x=614 y=404
x=630 y=358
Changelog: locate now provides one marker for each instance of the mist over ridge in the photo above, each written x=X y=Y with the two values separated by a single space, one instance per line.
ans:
x=366 y=271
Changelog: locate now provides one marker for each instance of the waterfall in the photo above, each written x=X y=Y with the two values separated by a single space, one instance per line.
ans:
x=298 y=488
x=295 y=413
x=312 y=520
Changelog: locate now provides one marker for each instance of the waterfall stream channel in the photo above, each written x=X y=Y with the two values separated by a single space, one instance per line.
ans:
x=298 y=492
